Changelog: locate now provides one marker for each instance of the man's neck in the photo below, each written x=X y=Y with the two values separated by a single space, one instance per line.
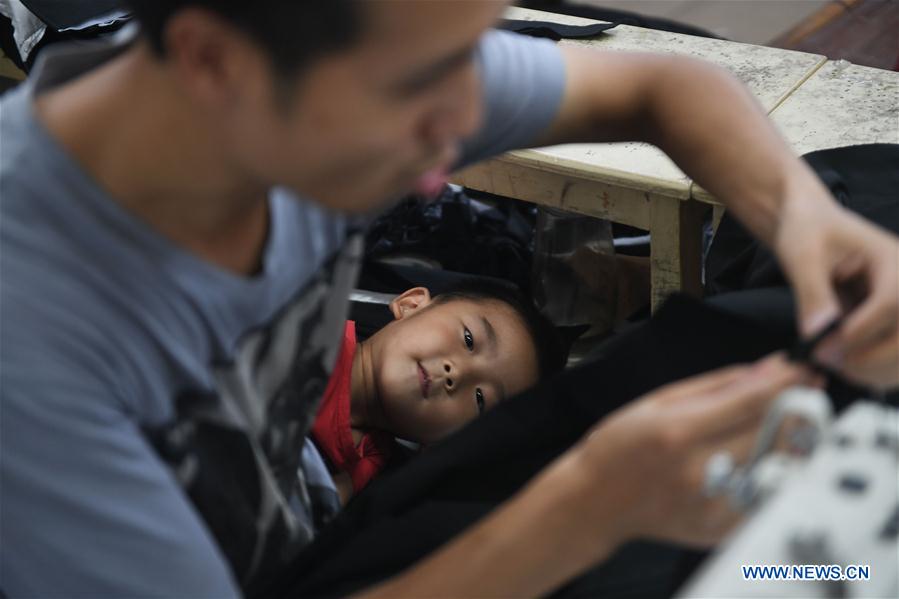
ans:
x=126 y=125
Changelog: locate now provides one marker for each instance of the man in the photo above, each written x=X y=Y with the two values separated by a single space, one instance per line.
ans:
x=171 y=306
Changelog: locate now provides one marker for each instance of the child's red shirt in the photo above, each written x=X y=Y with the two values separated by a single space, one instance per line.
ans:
x=332 y=432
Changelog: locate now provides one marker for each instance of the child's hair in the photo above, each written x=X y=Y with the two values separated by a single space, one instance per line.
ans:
x=551 y=352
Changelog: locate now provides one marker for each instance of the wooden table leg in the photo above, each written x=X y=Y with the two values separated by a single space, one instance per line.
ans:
x=676 y=248
x=9 y=70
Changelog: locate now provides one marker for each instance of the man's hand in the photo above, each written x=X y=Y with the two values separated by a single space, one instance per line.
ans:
x=839 y=263
x=718 y=134
x=639 y=473
x=648 y=459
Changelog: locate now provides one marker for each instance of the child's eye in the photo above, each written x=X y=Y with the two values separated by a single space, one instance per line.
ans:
x=479 y=399
x=469 y=339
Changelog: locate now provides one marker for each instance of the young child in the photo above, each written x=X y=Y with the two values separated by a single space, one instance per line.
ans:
x=440 y=363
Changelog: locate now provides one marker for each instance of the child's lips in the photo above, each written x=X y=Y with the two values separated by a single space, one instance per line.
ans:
x=424 y=381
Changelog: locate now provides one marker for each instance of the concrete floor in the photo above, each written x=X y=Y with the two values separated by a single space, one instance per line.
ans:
x=750 y=21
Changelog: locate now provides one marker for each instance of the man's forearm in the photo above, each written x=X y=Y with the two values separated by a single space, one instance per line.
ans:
x=696 y=112
x=538 y=540
x=718 y=134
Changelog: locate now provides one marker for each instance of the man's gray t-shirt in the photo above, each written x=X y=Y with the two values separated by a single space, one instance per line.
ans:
x=154 y=406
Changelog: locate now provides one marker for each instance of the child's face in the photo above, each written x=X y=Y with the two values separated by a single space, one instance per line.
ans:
x=440 y=364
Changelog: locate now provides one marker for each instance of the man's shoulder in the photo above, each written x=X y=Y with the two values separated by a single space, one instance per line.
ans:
x=523 y=80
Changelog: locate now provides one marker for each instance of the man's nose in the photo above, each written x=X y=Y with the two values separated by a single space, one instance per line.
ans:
x=458 y=113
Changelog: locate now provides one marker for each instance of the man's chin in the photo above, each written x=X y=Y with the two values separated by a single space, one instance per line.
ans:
x=366 y=199
x=356 y=204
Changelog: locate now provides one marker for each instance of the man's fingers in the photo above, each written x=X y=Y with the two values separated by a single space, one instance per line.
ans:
x=877 y=365
x=701 y=384
x=875 y=319
x=738 y=444
x=718 y=514
x=816 y=299
x=709 y=382
x=741 y=404
x=874 y=324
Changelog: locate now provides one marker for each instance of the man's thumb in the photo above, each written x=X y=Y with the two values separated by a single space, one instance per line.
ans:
x=817 y=302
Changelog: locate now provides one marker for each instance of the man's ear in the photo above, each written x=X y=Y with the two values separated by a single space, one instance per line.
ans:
x=211 y=57
x=410 y=301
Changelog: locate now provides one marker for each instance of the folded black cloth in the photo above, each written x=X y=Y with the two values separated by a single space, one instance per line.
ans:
x=554 y=31
x=623 y=17
x=63 y=14
x=456 y=232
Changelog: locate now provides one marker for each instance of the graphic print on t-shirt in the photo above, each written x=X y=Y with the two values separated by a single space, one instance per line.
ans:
x=236 y=450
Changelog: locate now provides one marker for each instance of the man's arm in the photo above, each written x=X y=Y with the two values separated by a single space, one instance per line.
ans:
x=637 y=474
x=697 y=113
x=716 y=132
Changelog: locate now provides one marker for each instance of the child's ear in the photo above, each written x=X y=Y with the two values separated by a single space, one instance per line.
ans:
x=410 y=301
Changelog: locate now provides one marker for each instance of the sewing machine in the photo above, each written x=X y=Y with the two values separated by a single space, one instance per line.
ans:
x=828 y=498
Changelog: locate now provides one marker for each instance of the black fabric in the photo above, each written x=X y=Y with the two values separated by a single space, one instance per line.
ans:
x=8 y=42
x=864 y=178
x=62 y=14
x=622 y=17
x=554 y=31
x=454 y=233
x=51 y=36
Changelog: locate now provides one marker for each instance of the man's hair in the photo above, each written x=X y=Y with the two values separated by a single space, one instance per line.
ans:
x=551 y=352
x=291 y=32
